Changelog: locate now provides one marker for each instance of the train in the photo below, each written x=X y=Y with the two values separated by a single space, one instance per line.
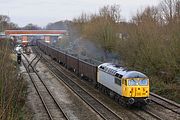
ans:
x=125 y=86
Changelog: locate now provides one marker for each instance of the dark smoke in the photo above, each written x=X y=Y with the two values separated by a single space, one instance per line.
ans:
x=83 y=48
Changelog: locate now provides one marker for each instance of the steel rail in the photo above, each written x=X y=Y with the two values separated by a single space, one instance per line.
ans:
x=171 y=103
x=149 y=112
x=80 y=92
x=50 y=93
x=35 y=86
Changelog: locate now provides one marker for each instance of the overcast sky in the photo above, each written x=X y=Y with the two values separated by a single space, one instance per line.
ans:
x=42 y=12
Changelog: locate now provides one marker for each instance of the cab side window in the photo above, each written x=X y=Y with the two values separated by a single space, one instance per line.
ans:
x=125 y=82
x=118 y=81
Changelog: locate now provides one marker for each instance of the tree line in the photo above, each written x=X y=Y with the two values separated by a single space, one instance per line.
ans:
x=6 y=24
x=149 y=42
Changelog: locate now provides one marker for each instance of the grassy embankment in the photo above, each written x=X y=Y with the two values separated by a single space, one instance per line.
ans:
x=12 y=86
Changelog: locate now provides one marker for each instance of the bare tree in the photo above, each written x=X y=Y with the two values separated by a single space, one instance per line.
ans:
x=168 y=8
x=150 y=14
x=4 y=20
x=177 y=11
x=111 y=12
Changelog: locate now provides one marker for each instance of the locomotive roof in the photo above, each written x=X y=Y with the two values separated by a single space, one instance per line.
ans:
x=120 y=72
x=134 y=74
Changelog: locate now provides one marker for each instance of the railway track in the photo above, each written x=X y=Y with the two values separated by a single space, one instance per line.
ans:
x=142 y=113
x=146 y=115
x=170 y=105
x=53 y=109
x=96 y=105
x=138 y=113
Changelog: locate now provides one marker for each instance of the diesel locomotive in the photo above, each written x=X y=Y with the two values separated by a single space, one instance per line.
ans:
x=125 y=86
x=129 y=87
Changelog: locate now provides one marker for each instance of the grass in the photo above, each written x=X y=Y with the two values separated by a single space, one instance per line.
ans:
x=170 y=91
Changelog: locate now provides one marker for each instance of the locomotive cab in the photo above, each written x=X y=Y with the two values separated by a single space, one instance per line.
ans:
x=132 y=87
x=135 y=86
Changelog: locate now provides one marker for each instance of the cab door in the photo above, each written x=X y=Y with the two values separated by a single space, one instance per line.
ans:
x=124 y=88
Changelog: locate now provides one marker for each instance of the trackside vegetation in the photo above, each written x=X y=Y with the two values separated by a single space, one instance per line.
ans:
x=149 y=42
x=12 y=86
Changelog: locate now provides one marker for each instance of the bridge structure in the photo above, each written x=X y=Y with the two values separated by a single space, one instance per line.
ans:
x=46 y=35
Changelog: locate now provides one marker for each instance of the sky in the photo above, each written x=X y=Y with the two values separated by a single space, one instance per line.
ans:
x=42 y=12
